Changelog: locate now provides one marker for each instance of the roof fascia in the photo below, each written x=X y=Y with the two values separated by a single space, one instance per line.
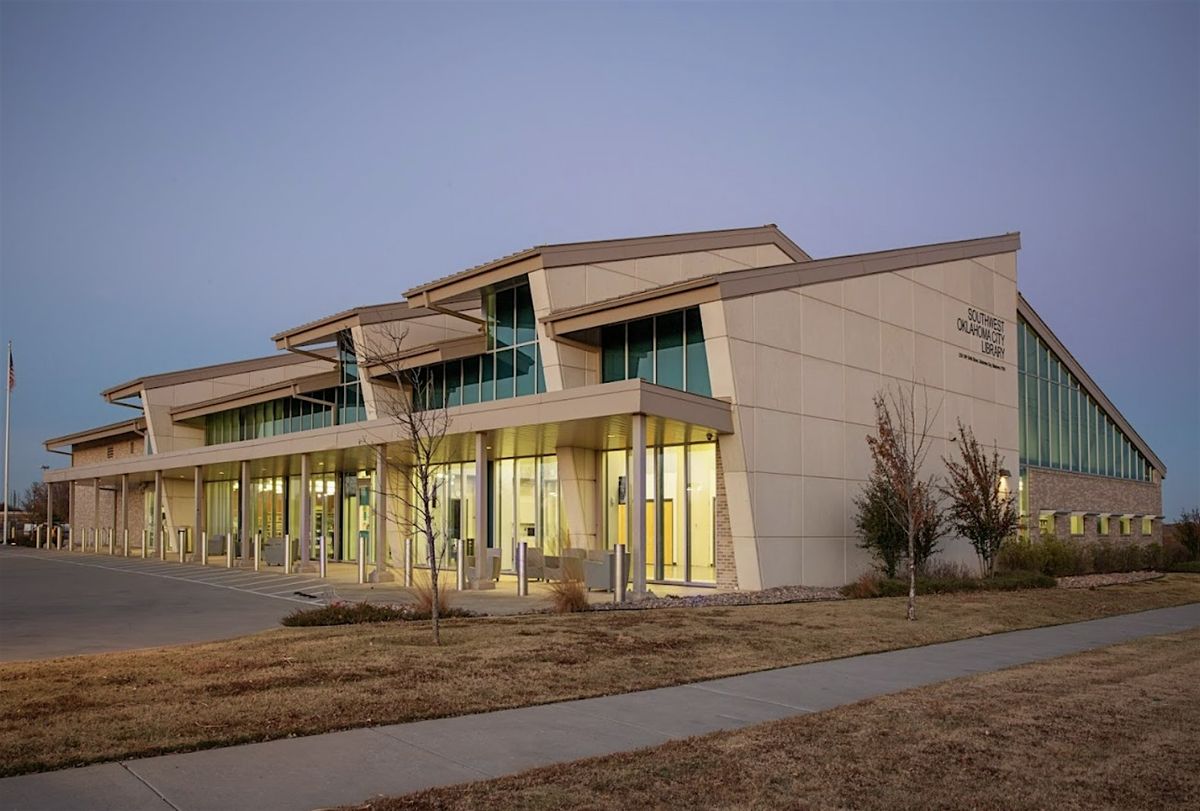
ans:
x=262 y=394
x=133 y=387
x=134 y=426
x=738 y=283
x=476 y=279
x=1026 y=311
x=690 y=293
x=590 y=253
x=427 y=354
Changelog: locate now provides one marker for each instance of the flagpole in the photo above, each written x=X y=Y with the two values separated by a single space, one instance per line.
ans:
x=7 y=415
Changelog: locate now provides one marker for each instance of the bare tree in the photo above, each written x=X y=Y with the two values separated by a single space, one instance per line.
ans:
x=410 y=400
x=34 y=500
x=899 y=449
x=980 y=510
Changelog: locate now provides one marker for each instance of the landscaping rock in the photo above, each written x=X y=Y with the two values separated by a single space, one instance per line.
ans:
x=772 y=596
x=1091 y=581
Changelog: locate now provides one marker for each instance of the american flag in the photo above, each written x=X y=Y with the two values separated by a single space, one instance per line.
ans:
x=12 y=373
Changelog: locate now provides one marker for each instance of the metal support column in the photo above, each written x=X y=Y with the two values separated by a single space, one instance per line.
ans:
x=244 y=512
x=159 y=546
x=95 y=515
x=637 y=504
x=125 y=509
x=381 y=574
x=483 y=573
x=306 y=513
x=198 y=535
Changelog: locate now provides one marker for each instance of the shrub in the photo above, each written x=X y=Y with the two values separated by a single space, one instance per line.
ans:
x=1186 y=566
x=1174 y=552
x=1187 y=530
x=1153 y=556
x=342 y=613
x=870 y=586
x=1020 y=556
x=867 y=585
x=1062 y=558
x=946 y=569
x=568 y=596
x=422 y=590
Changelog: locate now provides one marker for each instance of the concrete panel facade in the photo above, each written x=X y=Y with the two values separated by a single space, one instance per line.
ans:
x=802 y=367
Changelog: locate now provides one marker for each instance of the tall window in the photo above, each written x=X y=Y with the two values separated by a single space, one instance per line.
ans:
x=511 y=366
x=1060 y=425
x=666 y=349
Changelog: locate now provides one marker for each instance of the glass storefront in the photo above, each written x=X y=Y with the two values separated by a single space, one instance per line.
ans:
x=526 y=507
x=681 y=497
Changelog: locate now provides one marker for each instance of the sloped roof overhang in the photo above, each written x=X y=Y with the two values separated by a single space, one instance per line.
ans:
x=609 y=250
x=427 y=354
x=738 y=283
x=134 y=387
x=262 y=394
x=135 y=426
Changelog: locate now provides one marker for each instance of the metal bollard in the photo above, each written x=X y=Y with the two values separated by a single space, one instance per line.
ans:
x=460 y=548
x=522 y=571
x=112 y=539
x=181 y=539
x=619 y=576
x=202 y=549
x=58 y=537
x=323 y=562
x=287 y=553
x=145 y=543
x=37 y=537
x=228 y=550
x=408 y=563
x=125 y=542
x=362 y=560
x=257 y=550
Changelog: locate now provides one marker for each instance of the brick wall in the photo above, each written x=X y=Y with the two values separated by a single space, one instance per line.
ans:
x=1082 y=492
x=84 y=516
x=726 y=566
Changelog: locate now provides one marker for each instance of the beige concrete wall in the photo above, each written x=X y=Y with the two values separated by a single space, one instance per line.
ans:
x=167 y=435
x=578 y=471
x=575 y=285
x=1066 y=493
x=566 y=365
x=802 y=366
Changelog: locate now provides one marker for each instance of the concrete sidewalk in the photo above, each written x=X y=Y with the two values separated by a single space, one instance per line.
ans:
x=348 y=767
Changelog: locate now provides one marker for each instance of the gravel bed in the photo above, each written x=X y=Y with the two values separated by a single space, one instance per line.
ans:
x=1091 y=581
x=773 y=596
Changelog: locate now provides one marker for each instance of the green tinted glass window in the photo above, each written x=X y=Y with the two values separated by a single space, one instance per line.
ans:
x=612 y=348
x=697 y=355
x=526 y=369
x=504 y=373
x=641 y=350
x=505 y=318
x=526 y=331
x=668 y=350
x=470 y=373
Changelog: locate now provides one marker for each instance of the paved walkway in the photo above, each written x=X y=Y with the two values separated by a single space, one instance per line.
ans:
x=348 y=767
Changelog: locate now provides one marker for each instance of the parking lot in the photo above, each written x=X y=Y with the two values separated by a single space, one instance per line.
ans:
x=52 y=604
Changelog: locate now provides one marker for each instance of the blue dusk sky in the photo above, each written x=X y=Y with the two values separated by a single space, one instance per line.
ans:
x=180 y=181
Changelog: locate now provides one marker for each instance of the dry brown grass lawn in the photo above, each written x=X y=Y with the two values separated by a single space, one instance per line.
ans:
x=301 y=681
x=1113 y=728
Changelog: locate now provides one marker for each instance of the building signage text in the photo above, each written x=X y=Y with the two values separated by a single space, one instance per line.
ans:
x=987 y=328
